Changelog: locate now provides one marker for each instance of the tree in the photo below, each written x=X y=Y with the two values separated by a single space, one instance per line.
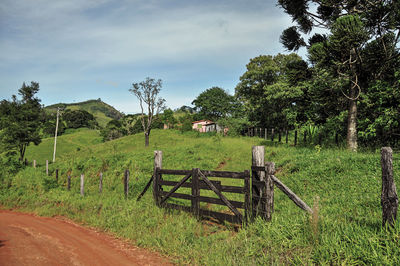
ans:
x=79 y=118
x=215 y=103
x=20 y=120
x=353 y=26
x=147 y=92
x=168 y=118
x=271 y=89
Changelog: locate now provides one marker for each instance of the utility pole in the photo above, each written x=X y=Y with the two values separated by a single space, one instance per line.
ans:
x=55 y=136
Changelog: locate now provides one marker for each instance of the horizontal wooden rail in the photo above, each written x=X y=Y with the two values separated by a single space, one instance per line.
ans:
x=236 y=204
x=207 y=173
x=206 y=213
x=203 y=185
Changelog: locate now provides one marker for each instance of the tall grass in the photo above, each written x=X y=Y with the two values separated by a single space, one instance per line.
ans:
x=343 y=187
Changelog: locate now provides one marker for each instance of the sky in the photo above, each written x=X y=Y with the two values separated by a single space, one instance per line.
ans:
x=80 y=50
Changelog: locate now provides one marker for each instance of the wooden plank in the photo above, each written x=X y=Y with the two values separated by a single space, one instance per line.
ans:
x=389 y=199
x=247 y=197
x=204 y=186
x=100 y=182
x=195 y=192
x=174 y=172
x=222 y=197
x=156 y=174
x=224 y=174
x=221 y=216
x=146 y=188
x=175 y=188
x=269 y=189
x=301 y=204
x=126 y=183
x=258 y=153
x=175 y=195
x=82 y=185
x=236 y=204
x=206 y=213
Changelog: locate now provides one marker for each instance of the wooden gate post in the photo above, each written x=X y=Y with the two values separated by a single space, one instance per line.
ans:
x=195 y=192
x=270 y=171
x=126 y=183
x=389 y=199
x=157 y=164
x=82 y=185
x=47 y=167
x=101 y=182
x=34 y=163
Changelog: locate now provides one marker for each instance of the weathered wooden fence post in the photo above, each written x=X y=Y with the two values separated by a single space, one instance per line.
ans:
x=82 y=184
x=157 y=165
x=266 y=133
x=47 y=167
x=57 y=175
x=270 y=171
x=258 y=153
x=295 y=138
x=126 y=183
x=69 y=182
x=272 y=134
x=34 y=163
x=247 y=196
x=100 y=182
x=195 y=192
x=389 y=199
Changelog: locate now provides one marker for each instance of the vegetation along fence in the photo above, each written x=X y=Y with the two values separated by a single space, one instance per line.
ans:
x=253 y=192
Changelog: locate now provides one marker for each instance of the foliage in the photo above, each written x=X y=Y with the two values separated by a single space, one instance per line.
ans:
x=147 y=92
x=79 y=118
x=346 y=227
x=168 y=118
x=272 y=90
x=215 y=103
x=361 y=46
x=20 y=120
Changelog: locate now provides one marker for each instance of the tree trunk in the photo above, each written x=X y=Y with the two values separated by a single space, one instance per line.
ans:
x=352 y=122
x=146 y=139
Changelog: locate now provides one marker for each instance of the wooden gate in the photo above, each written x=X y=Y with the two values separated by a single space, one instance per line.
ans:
x=199 y=180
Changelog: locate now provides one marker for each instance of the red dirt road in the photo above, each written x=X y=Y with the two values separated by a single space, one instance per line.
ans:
x=26 y=239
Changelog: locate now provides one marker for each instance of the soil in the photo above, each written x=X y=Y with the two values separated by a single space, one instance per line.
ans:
x=26 y=239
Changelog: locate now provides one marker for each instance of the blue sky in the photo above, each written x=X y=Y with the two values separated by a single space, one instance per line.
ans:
x=79 y=50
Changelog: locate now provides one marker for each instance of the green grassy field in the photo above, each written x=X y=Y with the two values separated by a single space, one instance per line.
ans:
x=344 y=188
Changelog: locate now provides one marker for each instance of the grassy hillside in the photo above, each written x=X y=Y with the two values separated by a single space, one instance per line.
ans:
x=345 y=188
x=100 y=110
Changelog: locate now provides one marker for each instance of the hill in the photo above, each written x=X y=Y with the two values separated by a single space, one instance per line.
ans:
x=344 y=186
x=102 y=111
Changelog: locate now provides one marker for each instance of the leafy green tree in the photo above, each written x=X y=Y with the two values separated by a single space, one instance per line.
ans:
x=353 y=26
x=79 y=118
x=272 y=90
x=168 y=118
x=147 y=92
x=20 y=120
x=113 y=130
x=215 y=103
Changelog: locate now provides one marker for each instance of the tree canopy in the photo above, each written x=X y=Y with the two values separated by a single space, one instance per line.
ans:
x=20 y=120
x=215 y=103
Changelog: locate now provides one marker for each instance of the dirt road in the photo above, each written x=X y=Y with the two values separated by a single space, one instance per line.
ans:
x=26 y=239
